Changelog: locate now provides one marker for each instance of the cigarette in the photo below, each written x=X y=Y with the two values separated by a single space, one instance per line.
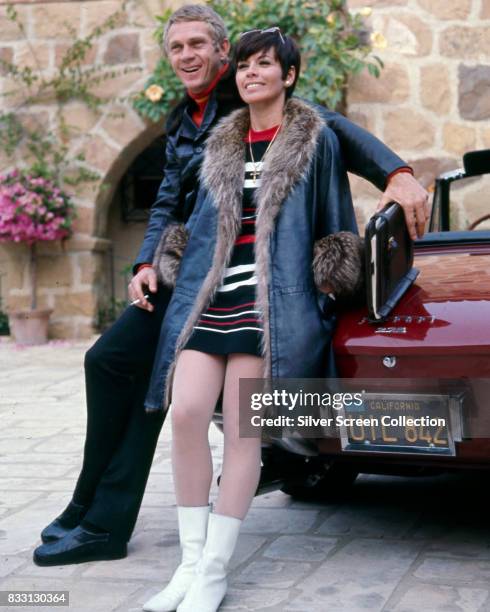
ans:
x=134 y=302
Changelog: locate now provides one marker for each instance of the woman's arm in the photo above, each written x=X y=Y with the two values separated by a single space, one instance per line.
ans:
x=334 y=205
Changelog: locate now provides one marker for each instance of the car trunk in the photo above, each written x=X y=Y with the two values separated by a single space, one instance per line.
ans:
x=441 y=328
x=439 y=331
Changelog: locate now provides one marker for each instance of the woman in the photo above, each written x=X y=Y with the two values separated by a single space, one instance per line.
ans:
x=245 y=304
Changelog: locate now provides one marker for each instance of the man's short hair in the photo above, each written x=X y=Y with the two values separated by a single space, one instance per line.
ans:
x=197 y=12
x=285 y=49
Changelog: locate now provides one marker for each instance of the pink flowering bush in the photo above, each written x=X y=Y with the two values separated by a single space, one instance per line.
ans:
x=33 y=209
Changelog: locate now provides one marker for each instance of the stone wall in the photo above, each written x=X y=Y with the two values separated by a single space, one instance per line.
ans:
x=73 y=280
x=432 y=102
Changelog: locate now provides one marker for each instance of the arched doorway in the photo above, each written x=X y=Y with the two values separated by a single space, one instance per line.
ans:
x=127 y=218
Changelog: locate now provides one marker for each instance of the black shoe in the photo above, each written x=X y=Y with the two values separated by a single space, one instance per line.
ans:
x=78 y=546
x=70 y=518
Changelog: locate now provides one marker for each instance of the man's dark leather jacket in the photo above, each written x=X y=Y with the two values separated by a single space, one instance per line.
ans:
x=363 y=154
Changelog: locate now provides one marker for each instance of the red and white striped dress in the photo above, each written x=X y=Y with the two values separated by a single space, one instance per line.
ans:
x=232 y=322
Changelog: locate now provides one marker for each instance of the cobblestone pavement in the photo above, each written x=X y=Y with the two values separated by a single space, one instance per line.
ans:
x=395 y=544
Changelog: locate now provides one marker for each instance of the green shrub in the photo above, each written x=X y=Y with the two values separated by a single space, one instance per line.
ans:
x=333 y=41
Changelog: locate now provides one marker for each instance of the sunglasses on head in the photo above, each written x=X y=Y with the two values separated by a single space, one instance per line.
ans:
x=264 y=31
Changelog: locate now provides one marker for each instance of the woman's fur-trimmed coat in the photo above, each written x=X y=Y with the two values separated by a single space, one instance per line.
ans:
x=303 y=196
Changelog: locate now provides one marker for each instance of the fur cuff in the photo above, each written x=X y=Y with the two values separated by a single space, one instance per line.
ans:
x=169 y=253
x=338 y=265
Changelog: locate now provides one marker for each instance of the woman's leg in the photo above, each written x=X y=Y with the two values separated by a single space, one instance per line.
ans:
x=239 y=479
x=197 y=385
x=240 y=473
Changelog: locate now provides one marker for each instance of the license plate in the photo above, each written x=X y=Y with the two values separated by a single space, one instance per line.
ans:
x=403 y=423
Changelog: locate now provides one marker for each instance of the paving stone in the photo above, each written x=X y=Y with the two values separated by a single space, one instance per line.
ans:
x=151 y=543
x=275 y=574
x=159 y=500
x=162 y=467
x=438 y=598
x=300 y=548
x=430 y=526
x=291 y=555
x=10 y=498
x=20 y=531
x=67 y=459
x=454 y=570
x=60 y=499
x=161 y=483
x=262 y=521
x=276 y=499
x=247 y=547
x=463 y=542
x=240 y=600
x=253 y=599
x=9 y=564
x=164 y=519
x=140 y=564
x=36 y=484
x=16 y=444
x=360 y=576
x=325 y=507
x=84 y=595
x=21 y=432
x=57 y=571
x=68 y=444
x=75 y=414
x=74 y=471
x=32 y=470
x=79 y=430
x=377 y=521
x=64 y=387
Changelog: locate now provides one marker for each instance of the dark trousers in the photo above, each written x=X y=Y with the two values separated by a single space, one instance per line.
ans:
x=121 y=437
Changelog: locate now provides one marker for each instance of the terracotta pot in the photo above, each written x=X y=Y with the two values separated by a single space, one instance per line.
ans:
x=29 y=326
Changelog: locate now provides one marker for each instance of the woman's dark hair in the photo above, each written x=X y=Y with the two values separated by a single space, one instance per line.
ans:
x=285 y=49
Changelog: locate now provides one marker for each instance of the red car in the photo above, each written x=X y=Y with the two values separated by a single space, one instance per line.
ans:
x=432 y=355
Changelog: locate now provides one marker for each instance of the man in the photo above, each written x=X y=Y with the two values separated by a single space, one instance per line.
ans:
x=121 y=437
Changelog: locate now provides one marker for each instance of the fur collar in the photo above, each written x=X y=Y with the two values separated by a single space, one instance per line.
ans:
x=288 y=159
x=222 y=174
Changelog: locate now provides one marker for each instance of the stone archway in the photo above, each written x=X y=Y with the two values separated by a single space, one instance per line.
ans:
x=128 y=215
x=104 y=239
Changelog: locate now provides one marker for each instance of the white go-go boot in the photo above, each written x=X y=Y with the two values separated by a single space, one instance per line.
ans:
x=209 y=587
x=193 y=523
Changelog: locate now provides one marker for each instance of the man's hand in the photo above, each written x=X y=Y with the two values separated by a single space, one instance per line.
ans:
x=412 y=197
x=145 y=279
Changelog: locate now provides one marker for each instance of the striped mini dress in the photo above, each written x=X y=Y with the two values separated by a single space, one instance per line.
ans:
x=232 y=323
